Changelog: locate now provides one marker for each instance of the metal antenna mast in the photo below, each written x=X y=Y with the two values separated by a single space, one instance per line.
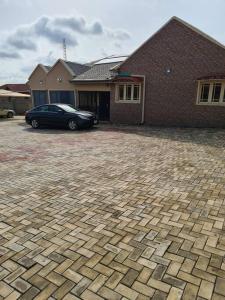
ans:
x=64 y=50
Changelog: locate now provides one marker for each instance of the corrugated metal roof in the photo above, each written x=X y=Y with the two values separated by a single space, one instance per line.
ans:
x=5 y=93
x=97 y=72
x=15 y=87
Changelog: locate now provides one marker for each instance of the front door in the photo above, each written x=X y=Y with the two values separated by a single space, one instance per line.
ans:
x=104 y=106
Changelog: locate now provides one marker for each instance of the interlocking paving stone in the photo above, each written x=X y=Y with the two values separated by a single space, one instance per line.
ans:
x=117 y=212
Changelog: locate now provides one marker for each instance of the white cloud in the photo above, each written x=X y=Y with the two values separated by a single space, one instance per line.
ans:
x=55 y=29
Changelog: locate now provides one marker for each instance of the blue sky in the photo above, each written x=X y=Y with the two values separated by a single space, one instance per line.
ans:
x=32 y=30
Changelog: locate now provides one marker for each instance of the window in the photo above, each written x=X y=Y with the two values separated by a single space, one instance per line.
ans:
x=129 y=92
x=212 y=93
x=54 y=108
x=41 y=108
x=205 y=93
x=216 y=92
x=136 y=95
x=121 y=92
x=224 y=96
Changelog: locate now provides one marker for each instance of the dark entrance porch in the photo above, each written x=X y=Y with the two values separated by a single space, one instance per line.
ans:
x=97 y=102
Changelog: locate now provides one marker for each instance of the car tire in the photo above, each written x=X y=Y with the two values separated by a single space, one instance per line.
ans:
x=72 y=125
x=35 y=123
x=10 y=115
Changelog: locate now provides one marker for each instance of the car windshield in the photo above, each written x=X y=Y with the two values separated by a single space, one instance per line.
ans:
x=67 y=108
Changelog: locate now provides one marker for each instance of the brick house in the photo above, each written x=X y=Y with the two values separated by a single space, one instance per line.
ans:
x=176 y=78
x=183 y=80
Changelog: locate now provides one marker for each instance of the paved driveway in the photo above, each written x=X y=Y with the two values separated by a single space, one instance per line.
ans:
x=113 y=213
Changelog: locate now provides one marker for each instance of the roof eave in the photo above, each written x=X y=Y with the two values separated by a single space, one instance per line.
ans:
x=86 y=81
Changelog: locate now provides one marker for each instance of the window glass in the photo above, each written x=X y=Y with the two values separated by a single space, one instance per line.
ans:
x=224 y=96
x=44 y=108
x=128 y=92
x=136 y=92
x=121 y=92
x=216 y=92
x=41 y=108
x=37 y=108
x=67 y=108
x=205 y=92
x=54 y=108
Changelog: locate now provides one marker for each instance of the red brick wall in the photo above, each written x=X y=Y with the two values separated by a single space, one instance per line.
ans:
x=124 y=112
x=171 y=99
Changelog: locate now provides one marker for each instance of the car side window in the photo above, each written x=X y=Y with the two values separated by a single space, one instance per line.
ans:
x=44 y=108
x=41 y=108
x=37 y=108
x=54 y=108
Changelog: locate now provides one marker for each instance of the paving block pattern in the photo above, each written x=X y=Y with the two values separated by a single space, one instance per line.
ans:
x=113 y=213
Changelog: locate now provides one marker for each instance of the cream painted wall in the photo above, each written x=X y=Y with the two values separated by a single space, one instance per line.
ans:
x=59 y=71
x=97 y=87
x=34 y=81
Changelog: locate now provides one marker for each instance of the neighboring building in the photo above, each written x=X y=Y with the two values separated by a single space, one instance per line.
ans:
x=176 y=78
x=17 y=101
x=16 y=87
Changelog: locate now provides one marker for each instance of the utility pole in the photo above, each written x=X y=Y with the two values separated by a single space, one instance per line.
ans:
x=64 y=49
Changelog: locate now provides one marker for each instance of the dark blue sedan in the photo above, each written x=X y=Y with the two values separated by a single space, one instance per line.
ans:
x=60 y=115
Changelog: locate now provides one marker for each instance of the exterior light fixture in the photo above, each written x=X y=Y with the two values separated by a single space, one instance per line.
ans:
x=59 y=79
x=168 y=71
x=41 y=82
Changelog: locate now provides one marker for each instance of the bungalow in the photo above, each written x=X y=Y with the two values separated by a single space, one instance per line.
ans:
x=17 y=101
x=176 y=78
x=87 y=87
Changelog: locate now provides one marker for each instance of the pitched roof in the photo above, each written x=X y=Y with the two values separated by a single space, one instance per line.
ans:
x=18 y=87
x=76 y=68
x=44 y=68
x=98 y=72
x=198 y=31
x=5 y=93
x=47 y=67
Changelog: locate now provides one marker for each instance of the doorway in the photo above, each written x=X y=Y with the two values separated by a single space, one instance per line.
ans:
x=97 y=102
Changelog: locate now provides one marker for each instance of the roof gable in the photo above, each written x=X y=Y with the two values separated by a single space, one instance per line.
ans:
x=72 y=67
x=194 y=29
x=42 y=67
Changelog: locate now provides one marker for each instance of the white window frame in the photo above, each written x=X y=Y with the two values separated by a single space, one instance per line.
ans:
x=210 y=101
x=124 y=100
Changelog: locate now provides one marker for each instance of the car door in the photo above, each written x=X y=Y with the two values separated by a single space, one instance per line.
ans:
x=56 y=115
x=42 y=115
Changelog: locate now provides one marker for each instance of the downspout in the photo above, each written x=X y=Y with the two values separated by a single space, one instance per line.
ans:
x=48 y=92
x=143 y=103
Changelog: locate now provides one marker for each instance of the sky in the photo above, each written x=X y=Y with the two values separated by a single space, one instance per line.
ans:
x=32 y=31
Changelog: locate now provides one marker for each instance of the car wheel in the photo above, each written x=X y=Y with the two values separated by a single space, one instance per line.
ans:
x=10 y=115
x=72 y=125
x=35 y=123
